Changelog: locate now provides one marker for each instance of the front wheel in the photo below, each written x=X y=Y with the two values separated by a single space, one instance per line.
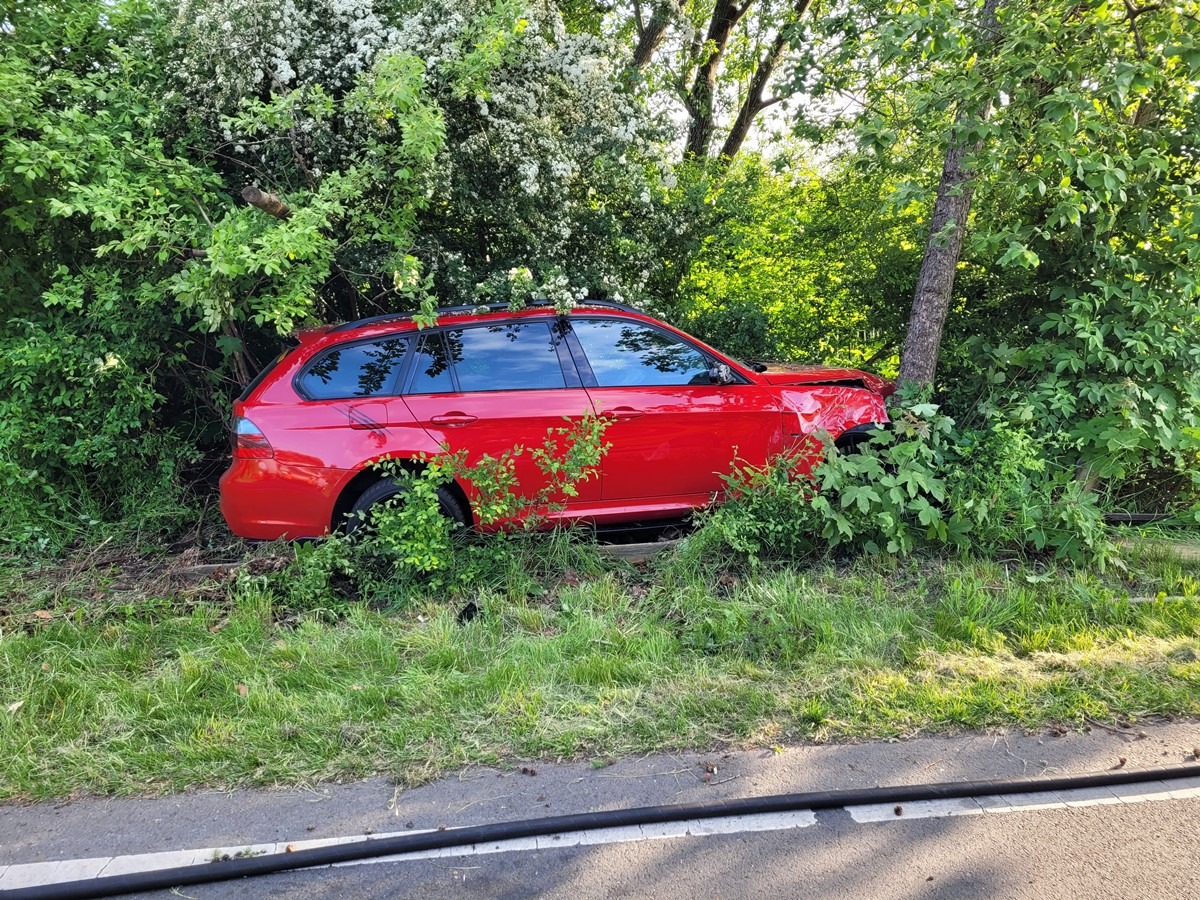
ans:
x=390 y=489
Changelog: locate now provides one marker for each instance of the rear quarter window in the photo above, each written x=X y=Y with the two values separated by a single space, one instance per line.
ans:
x=362 y=369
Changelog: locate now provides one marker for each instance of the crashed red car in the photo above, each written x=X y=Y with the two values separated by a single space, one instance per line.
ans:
x=310 y=429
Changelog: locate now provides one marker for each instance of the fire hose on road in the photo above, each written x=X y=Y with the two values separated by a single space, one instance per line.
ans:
x=225 y=870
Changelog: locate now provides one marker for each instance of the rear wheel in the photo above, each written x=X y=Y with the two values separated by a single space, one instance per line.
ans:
x=389 y=489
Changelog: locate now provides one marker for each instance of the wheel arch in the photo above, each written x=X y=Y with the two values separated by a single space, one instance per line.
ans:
x=369 y=475
x=850 y=439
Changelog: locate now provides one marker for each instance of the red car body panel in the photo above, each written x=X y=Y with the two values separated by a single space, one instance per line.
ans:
x=670 y=444
x=502 y=421
x=828 y=375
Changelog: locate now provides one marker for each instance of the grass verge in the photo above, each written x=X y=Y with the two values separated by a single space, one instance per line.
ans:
x=109 y=690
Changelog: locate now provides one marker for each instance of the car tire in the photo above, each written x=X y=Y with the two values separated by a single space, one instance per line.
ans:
x=854 y=439
x=389 y=488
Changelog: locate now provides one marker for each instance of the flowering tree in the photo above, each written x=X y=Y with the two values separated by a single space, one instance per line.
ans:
x=551 y=163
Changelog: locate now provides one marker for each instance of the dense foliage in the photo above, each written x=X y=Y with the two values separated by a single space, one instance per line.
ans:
x=923 y=483
x=502 y=149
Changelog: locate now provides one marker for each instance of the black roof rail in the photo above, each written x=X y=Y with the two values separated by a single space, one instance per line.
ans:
x=461 y=310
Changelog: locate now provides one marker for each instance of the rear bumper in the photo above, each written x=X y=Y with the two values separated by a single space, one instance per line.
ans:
x=264 y=500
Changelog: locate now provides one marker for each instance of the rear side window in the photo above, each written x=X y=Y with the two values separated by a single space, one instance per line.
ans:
x=365 y=369
x=513 y=357
x=517 y=356
x=631 y=354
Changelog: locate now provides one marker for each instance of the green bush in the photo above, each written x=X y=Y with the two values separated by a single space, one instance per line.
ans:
x=919 y=483
x=81 y=436
x=411 y=547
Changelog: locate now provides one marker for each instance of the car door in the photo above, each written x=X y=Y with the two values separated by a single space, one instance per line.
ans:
x=489 y=388
x=674 y=432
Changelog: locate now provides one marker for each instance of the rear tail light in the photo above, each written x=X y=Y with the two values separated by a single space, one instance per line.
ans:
x=249 y=442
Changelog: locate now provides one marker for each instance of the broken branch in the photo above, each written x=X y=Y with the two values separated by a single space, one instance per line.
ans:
x=268 y=203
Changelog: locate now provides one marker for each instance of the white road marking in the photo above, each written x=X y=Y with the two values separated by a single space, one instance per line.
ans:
x=57 y=871
x=1181 y=789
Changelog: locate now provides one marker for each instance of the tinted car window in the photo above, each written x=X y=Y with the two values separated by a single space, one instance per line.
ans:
x=355 y=370
x=517 y=356
x=511 y=357
x=431 y=371
x=629 y=354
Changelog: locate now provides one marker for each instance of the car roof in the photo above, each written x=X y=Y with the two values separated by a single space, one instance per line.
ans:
x=482 y=312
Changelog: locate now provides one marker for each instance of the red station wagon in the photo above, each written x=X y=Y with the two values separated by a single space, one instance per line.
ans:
x=309 y=429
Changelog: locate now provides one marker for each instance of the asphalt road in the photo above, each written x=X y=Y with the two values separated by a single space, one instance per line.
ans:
x=1114 y=849
x=1150 y=851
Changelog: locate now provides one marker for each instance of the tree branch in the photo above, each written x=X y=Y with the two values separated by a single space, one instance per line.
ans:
x=653 y=33
x=725 y=18
x=268 y=203
x=203 y=214
x=753 y=104
x=1132 y=11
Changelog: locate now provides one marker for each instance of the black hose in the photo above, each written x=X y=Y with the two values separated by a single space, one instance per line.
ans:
x=647 y=815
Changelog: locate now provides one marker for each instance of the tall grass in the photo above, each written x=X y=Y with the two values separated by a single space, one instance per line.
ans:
x=568 y=656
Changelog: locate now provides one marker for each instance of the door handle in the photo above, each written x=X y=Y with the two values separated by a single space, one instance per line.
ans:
x=621 y=413
x=453 y=418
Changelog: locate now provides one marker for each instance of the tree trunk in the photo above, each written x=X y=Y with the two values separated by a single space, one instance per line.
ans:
x=699 y=102
x=650 y=37
x=935 y=283
x=754 y=103
x=268 y=203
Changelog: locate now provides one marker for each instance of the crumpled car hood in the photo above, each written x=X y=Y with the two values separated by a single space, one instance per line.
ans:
x=828 y=375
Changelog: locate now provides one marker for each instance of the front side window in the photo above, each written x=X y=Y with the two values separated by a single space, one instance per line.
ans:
x=627 y=354
x=366 y=369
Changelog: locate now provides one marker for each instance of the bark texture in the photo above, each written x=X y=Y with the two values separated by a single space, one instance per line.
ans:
x=755 y=101
x=268 y=203
x=725 y=18
x=947 y=228
x=652 y=34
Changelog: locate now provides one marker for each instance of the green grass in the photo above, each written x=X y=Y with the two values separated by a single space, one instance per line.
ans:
x=122 y=693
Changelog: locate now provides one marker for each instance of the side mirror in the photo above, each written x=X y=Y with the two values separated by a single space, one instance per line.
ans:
x=721 y=374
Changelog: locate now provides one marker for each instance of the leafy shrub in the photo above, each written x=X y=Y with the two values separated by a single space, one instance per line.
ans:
x=411 y=544
x=1006 y=493
x=918 y=483
x=81 y=439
